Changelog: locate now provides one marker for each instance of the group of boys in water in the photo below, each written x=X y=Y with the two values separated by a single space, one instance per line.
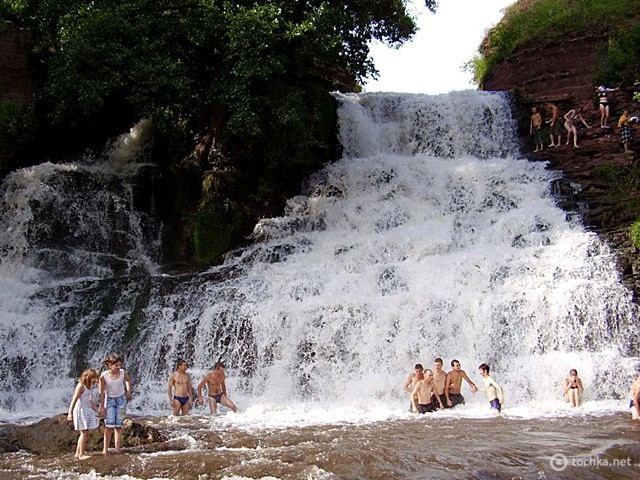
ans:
x=182 y=396
x=437 y=389
x=430 y=390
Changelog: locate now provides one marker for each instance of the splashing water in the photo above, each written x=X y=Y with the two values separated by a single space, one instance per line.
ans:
x=429 y=238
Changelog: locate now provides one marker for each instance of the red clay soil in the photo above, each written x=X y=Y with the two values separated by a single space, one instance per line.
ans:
x=550 y=72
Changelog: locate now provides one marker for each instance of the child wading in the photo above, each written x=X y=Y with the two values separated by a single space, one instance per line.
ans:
x=115 y=391
x=82 y=410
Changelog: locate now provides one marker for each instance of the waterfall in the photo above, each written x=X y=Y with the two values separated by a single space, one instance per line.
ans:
x=429 y=238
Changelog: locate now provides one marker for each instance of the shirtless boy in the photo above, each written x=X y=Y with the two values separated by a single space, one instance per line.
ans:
x=414 y=378
x=423 y=395
x=180 y=390
x=634 y=404
x=453 y=386
x=439 y=382
x=217 y=388
x=535 y=129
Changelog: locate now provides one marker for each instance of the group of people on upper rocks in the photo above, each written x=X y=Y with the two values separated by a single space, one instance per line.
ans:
x=573 y=118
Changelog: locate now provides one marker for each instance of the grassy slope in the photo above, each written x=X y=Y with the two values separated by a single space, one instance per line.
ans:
x=528 y=22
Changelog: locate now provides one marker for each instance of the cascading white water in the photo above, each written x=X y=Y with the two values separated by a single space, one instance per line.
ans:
x=430 y=237
x=62 y=228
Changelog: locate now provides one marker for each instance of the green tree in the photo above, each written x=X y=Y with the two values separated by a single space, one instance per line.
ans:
x=246 y=82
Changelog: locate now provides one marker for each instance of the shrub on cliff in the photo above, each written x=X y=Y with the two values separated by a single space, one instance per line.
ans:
x=16 y=126
x=531 y=22
x=634 y=233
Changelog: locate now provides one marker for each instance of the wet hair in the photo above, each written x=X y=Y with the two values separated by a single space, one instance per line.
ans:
x=180 y=362
x=111 y=360
x=89 y=377
x=454 y=361
x=418 y=367
x=572 y=371
x=484 y=367
x=439 y=360
x=219 y=364
x=428 y=370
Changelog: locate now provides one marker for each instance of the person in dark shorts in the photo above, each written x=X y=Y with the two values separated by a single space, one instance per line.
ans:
x=453 y=386
x=215 y=382
x=535 y=129
x=415 y=377
x=556 y=126
x=440 y=381
x=492 y=389
x=180 y=390
x=424 y=396
x=573 y=388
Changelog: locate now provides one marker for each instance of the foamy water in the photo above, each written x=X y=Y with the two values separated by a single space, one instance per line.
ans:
x=430 y=238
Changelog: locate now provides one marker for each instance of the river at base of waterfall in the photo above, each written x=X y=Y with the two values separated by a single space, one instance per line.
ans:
x=596 y=441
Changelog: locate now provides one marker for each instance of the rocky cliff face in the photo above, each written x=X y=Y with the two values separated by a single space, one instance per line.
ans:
x=599 y=180
x=550 y=72
x=15 y=79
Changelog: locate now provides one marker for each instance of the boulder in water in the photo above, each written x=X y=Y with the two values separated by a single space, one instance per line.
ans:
x=55 y=435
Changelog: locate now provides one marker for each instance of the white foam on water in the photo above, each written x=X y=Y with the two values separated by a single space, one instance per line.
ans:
x=431 y=237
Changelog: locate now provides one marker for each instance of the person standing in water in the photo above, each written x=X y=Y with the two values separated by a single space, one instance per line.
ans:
x=453 y=387
x=115 y=391
x=82 y=410
x=424 y=395
x=180 y=390
x=439 y=382
x=573 y=388
x=215 y=382
x=412 y=380
x=495 y=393
x=634 y=404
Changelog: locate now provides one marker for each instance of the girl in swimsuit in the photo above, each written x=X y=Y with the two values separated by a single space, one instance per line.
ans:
x=571 y=121
x=603 y=103
x=573 y=388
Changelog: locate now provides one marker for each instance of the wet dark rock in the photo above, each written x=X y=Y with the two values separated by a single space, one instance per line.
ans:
x=56 y=436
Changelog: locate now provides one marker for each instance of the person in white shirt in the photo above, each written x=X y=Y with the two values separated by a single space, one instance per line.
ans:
x=495 y=393
x=114 y=391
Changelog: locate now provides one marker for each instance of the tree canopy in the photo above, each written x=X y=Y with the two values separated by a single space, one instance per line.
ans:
x=169 y=58
x=243 y=84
